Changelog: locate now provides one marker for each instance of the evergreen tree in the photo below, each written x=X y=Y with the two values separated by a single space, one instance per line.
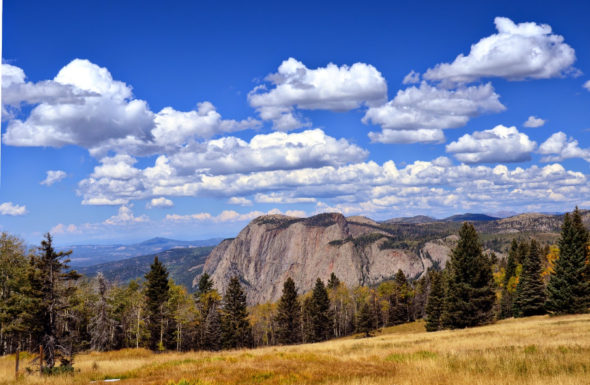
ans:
x=530 y=292
x=158 y=293
x=400 y=300
x=205 y=284
x=521 y=252
x=569 y=286
x=434 y=305
x=321 y=315
x=101 y=325
x=507 y=292
x=237 y=332
x=206 y=298
x=511 y=262
x=212 y=339
x=470 y=296
x=288 y=316
x=333 y=282
x=307 y=331
x=49 y=276
x=365 y=320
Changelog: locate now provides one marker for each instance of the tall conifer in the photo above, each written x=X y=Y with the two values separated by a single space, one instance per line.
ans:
x=237 y=332
x=530 y=292
x=48 y=276
x=470 y=295
x=569 y=286
x=321 y=316
x=434 y=305
x=288 y=316
x=158 y=293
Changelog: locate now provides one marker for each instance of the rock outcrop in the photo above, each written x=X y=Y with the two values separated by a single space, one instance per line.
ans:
x=358 y=250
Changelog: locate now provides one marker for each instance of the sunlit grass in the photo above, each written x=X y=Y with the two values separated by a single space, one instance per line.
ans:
x=536 y=350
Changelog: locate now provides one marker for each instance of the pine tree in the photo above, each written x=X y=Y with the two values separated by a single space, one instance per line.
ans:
x=511 y=262
x=400 y=300
x=321 y=315
x=205 y=284
x=365 y=320
x=569 y=285
x=158 y=293
x=507 y=292
x=101 y=325
x=530 y=292
x=434 y=305
x=333 y=282
x=212 y=339
x=237 y=332
x=470 y=296
x=49 y=276
x=307 y=330
x=288 y=316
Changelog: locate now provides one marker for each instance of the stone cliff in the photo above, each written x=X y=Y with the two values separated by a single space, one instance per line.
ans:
x=358 y=250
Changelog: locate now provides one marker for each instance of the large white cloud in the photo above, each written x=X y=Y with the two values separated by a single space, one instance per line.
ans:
x=368 y=185
x=500 y=144
x=418 y=114
x=278 y=150
x=334 y=88
x=559 y=147
x=517 y=52
x=9 y=208
x=89 y=122
x=84 y=106
x=587 y=85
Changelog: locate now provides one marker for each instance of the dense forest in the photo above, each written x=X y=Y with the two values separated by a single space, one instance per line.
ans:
x=44 y=303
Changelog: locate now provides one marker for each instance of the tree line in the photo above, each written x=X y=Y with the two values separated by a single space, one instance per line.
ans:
x=45 y=303
x=475 y=289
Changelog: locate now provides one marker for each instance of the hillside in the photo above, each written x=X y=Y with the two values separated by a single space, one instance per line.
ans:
x=515 y=351
x=358 y=250
x=88 y=255
x=182 y=264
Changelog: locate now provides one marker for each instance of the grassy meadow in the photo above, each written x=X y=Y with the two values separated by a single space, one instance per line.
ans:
x=536 y=350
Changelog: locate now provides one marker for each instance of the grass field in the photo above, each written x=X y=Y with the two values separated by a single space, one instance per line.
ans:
x=537 y=350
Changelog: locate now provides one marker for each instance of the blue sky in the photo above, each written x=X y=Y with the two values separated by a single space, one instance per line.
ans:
x=127 y=120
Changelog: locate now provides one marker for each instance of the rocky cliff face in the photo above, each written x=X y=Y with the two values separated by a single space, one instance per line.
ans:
x=358 y=250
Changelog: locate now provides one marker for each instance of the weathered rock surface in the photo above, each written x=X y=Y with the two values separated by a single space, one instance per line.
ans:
x=274 y=247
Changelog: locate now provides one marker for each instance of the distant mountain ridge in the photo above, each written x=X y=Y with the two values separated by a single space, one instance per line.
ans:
x=88 y=255
x=469 y=217
x=182 y=265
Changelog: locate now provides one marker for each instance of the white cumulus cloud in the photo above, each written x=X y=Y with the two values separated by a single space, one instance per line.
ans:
x=277 y=150
x=84 y=106
x=587 y=85
x=241 y=201
x=160 y=202
x=500 y=144
x=334 y=88
x=533 y=122
x=517 y=52
x=419 y=114
x=9 y=208
x=53 y=176
x=125 y=217
x=559 y=147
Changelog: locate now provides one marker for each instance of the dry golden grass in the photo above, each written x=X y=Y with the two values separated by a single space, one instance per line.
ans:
x=537 y=350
